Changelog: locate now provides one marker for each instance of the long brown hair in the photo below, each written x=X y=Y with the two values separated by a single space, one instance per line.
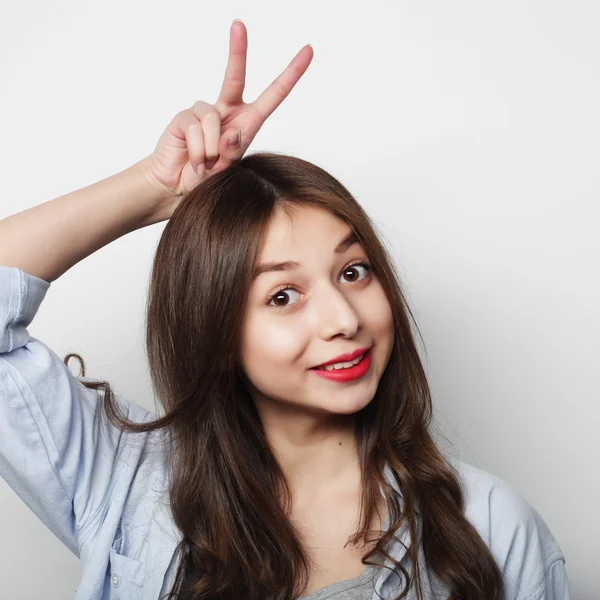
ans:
x=228 y=494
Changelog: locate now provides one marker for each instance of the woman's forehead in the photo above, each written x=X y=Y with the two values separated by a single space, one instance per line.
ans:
x=306 y=226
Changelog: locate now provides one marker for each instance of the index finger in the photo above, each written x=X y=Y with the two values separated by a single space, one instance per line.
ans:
x=235 y=73
x=276 y=93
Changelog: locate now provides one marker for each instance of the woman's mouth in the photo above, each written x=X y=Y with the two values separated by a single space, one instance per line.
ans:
x=349 y=371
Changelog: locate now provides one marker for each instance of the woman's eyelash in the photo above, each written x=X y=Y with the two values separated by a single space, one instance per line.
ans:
x=289 y=286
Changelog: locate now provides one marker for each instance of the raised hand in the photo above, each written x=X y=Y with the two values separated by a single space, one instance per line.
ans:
x=207 y=138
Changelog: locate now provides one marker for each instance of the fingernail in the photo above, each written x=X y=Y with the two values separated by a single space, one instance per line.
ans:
x=209 y=164
x=236 y=139
x=200 y=170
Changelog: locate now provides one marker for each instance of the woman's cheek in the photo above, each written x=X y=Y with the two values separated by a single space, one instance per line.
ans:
x=275 y=344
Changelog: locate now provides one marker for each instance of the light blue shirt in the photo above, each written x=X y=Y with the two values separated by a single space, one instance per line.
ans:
x=106 y=497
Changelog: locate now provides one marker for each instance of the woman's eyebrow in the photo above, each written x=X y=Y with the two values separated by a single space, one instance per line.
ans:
x=288 y=265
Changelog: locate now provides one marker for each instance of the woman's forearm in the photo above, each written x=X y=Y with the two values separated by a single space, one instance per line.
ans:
x=48 y=239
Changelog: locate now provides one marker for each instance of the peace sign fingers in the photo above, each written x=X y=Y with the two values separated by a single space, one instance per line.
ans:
x=234 y=82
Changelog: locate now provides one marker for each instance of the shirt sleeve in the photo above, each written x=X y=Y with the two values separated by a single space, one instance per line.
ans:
x=556 y=583
x=532 y=561
x=51 y=452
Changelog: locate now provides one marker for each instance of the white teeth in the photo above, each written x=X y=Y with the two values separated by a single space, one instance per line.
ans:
x=342 y=365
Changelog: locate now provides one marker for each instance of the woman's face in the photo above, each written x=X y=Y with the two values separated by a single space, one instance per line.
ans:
x=327 y=308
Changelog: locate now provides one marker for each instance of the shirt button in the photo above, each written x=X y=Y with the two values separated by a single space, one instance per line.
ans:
x=115 y=581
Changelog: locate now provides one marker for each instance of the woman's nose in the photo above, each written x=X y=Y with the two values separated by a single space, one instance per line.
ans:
x=336 y=314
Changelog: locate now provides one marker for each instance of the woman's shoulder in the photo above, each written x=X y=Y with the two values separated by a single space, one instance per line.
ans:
x=488 y=494
x=517 y=535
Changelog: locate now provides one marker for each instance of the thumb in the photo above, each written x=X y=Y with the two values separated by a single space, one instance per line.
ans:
x=230 y=146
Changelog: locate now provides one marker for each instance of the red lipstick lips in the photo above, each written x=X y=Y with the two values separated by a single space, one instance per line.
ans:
x=343 y=357
x=347 y=374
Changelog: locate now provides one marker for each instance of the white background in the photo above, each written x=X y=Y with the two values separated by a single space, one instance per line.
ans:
x=468 y=130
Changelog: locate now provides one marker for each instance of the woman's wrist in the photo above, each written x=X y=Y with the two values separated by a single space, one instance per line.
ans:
x=160 y=200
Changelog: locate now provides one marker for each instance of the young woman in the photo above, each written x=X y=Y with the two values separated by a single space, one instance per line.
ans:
x=269 y=475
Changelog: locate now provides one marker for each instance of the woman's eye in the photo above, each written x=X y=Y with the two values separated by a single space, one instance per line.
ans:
x=281 y=293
